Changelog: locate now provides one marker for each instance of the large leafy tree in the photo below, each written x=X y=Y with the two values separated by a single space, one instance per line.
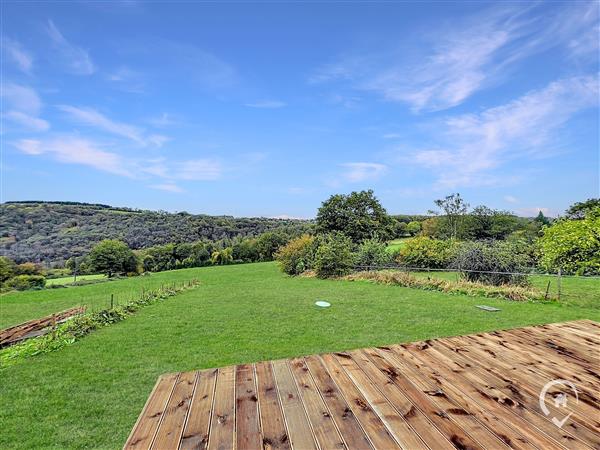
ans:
x=112 y=257
x=453 y=209
x=580 y=209
x=358 y=215
x=573 y=245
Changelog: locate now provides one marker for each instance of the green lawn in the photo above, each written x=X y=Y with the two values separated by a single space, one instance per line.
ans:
x=89 y=395
x=70 y=279
x=396 y=244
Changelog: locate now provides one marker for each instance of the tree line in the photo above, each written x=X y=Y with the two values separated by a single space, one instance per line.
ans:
x=52 y=232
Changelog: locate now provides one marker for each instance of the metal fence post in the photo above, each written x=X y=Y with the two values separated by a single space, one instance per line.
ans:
x=559 y=282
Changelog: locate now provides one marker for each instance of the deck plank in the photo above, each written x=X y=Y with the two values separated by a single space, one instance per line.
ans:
x=143 y=433
x=299 y=428
x=195 y=433
x=323 y=426
x=516 y=401
x=169 y=432
x=342 y=415
x=479 y=391
x=222 y=428
x=246 y=408
x=275 y=435
x=376 y=430
x=395 y=422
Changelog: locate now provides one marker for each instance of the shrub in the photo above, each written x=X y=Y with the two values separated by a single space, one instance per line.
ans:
x=413 y=227
x=25 y=282
x=372 y=253
x=297 y=256
x=477 y=259
x=28 y=268
x=427 y=253
x=334 y=255
x=572 y=245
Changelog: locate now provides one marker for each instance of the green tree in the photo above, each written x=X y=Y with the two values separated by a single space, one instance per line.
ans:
x=7 y=268
x=358 y=215
x=268 y=243
x=572 y=245
x=579 y=210
x=413 y=228
x=222 y=257
x=112 y=257
x=487 y=223
x=453 y=208
x=541 y=218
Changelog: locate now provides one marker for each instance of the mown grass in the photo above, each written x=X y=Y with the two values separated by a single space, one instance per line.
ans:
x=396 y=244
x=88 y=395
x=71 y=279
x=17 y=307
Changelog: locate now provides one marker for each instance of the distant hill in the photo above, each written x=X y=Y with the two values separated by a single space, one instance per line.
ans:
x=52 y=232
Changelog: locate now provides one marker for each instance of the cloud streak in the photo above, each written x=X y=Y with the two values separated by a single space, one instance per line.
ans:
x=475 y=144
x=362 y=171
x=461 y=63
x=15 y=52
x=75 y=150
x=93 y=118
x=266 y=104
x=75 y=59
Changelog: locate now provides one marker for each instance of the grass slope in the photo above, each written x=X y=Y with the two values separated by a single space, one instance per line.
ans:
x=89 y=395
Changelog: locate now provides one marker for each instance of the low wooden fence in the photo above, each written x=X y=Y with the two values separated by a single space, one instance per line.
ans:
x=36 y=327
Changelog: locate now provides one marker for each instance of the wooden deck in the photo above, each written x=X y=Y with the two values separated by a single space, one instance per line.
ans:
x=468 y=392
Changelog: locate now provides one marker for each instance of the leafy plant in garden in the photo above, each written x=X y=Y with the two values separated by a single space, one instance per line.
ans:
x=427 y=253
x=572 y=246
x=24 y=282
x=297 y=256
x=372 y=253
x=334 y=255
x=492 y=262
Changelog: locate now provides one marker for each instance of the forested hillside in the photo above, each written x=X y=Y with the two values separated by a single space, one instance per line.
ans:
x=52 y=232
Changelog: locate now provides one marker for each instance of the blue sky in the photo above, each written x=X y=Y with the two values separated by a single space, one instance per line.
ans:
x=266 y=109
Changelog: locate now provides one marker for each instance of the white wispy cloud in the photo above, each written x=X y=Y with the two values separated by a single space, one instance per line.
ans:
x=473 y=55
x=511 y=199
x=76 y=59
x=205 y=169
x=23 y=106
x=169 y=187
x=472 y=145
x=15 y=52
x=93 y=118
x=75 y=150
x=362 y=171
x=268 y=104
x=127 y=80
x=26 y=121
x=21 y=98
